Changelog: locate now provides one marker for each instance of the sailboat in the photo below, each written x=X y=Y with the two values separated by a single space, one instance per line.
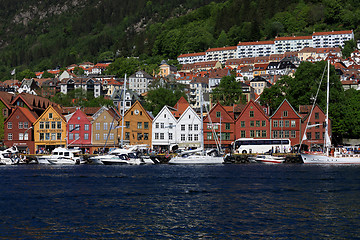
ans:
x=331 y=155
x=198 y=156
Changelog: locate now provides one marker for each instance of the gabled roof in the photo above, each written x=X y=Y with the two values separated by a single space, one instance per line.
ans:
x=6 y=98
x=187 y=110
x=283 y=102
x=221 y=49
x=256 y=43
x=56 y=109
x=137 y=103
x=167 y=109
x=31 y=116
x=214 y=108
x=33 y=101
x=293 y=38
x=258 y=107
x=192 y=54
x=332 y=33
x=180 y=107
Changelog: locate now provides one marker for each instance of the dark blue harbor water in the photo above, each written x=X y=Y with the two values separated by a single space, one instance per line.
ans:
x=180 y=202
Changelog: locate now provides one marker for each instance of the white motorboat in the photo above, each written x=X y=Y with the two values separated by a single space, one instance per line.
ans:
x=9 y=156
x=196 y=159
x=330 y=155
x=60 y=156
x=121 y=156
x=269 y=159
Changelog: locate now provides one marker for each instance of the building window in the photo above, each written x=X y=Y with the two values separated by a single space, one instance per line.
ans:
x=53 y=125
x=20 y=125
x=105 y=126
x=50 y=115
x=227 y=126
x=287 y=123
x=218 y=114
x=170 y=136
x=317 y=125
x=251 y=123
x=111 y=136
x=105 y=136
x=263 y=123
x=146 y=125
x=293 y=123
x=21 y=136
x=58 y=136
x=190 y=127
x=26 y=136
x=263 y=133
x=156 y=125
x=47 y=136
x=257 y=123
x=53 y=136
x=97 y=126
x=275 y=123
x=293 y=134
x=146 y=136
x=162 y=125
x=86 y=136
x=196 y=127
x=252 y=133
x=251 y=113
x=308 y=135
x=317 y=135
x=190 y=137
x=47 y=125
x=182 y=137
x=41 y=137
x=97 y=136
x=257 y=133
x=316 y=115
x=26 y=125
x=196 y=137
x=156 y=135
x=127 y=136
x=281 y=123
x=139 y=125
x=285 y=113
x=9 y=125
x=209 y=136
x=162 y=136
x=59 y=125
x=182 y=127
x=71 y=136
x=287 y=134
x=127 y=124
x=243 y=134
x=242 y=124
x=275 y=134
x=86 y=127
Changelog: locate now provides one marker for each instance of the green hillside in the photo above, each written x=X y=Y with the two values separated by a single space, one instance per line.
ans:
x=41 y=35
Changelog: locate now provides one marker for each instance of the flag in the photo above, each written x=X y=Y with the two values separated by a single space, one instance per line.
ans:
x=13 y=72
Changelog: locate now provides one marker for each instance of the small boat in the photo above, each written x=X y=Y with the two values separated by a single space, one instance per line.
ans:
x=196 y=159
x=269 y=159
x=121 y=156
x=9 y=156
x=62 y=156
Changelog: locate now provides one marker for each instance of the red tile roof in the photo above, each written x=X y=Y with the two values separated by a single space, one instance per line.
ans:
x=256 y=43
x=332 y=33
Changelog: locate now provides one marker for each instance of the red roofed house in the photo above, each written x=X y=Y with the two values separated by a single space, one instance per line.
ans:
x=219 y=122
x=286 y=123
x=79 y=131
x=19 y=130
x=180 y=107
x=253 y=122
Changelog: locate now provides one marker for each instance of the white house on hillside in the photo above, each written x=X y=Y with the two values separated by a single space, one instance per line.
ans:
x=188 y=129
x=140 y=81
x=164 y=129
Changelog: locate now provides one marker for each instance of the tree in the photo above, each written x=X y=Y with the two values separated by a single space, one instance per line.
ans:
x=157 y=98
x=228 y=92
x=348 y=48
x=46 y=74
x=302 y=89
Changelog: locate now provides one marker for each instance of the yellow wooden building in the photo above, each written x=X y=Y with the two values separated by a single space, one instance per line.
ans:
x=50 y=130
x=137 y=126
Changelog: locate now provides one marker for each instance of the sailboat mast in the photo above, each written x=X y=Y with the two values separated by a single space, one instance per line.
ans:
x=202 y=121
x=123 y=113
x=327 y=143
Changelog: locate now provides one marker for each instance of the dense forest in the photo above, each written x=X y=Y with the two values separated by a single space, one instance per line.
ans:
x=39 y=35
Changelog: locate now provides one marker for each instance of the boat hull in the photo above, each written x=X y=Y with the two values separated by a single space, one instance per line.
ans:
x=268 y=159
x=197 y=160
x=323 y=159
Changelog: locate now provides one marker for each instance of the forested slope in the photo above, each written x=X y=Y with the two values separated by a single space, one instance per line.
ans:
x=41 y=35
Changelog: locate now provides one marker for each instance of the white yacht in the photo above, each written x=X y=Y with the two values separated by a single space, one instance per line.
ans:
x=9 y=156
x=330 y=155
x=62 y=156
x=269 y=159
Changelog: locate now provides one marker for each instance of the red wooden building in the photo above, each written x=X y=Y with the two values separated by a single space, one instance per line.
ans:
x=253 y=122
x=18 y=130
x=219 y=121
x=286 y=123
x=78 y=131
x=316 y=122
